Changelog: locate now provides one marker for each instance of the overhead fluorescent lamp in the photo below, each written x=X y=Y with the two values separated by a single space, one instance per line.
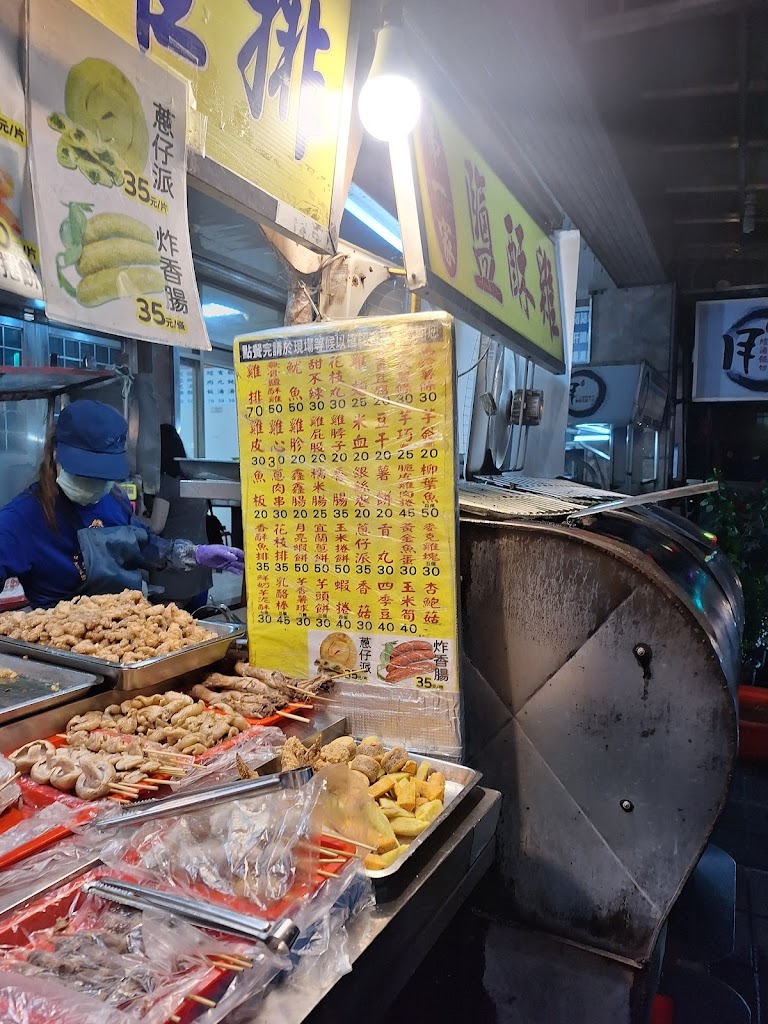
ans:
x=370 y=213
x=213 y=309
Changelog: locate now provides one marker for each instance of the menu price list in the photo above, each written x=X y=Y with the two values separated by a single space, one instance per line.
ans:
x=348 y=468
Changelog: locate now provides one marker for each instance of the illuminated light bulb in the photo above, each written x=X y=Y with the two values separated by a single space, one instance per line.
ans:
x=390 y=100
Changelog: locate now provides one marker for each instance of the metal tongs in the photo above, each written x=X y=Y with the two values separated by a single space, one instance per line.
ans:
x=278 y=936
x=210 y=796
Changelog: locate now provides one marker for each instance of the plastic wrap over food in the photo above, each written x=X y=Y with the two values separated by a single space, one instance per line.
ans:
x=348 y=470
x=25 y=1000
x=41 y=869
x=42 y=821
x=10 y=792
x=261 y=849
x=143 y=965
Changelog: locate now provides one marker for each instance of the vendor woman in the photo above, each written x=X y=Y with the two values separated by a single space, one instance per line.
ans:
x=73 y=532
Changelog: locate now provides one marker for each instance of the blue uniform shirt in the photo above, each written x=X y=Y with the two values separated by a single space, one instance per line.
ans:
x=49 y=564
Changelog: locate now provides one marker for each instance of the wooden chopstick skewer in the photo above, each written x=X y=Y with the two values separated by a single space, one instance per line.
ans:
x=209 y=1003
x=295 y=718
x=9 y=781
x=346 y=839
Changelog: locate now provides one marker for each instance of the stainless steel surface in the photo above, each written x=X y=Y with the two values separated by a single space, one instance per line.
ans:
x=633 y=500
x=45 y=882
x=39 y=686
x=279 y=937
x=144 y=673
x=209 y=796
x=209 y=470
x=501 y=502
x=599 y=691
x=459 y=783
x=220 y=492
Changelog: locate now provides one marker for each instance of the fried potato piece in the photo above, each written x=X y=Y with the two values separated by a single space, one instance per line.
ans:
x=405 y=793
x=379 y=861
x=408 y=827
x=429 y=811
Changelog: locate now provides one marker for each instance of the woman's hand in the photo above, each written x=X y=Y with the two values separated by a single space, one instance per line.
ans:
x=221 y=558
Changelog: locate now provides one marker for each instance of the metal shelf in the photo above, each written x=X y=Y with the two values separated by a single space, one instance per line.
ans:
x=30 y=383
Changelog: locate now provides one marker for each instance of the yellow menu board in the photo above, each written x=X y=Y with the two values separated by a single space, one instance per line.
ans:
x=349 y=499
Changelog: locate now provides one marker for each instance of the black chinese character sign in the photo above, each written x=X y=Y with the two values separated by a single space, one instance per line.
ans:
x=731 y=351
x=108 y=134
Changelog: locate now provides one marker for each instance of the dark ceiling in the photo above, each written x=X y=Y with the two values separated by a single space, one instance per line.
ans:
x=682 y=89
x=642 y=122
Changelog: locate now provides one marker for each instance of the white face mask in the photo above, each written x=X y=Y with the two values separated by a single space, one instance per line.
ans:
x=81 y=489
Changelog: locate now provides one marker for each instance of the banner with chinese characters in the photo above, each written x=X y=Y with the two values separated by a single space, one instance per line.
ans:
x=487 y=261
x=269 y=80
x=18 y=253
x=350 y=512
x=730 y=359
x=108 y=132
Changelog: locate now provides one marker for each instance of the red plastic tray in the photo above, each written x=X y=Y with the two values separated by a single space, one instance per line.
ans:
x=37 y=796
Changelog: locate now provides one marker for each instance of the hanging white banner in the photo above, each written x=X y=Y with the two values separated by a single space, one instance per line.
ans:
x=108 y=131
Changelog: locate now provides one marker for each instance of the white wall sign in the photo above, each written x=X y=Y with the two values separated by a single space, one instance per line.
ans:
x=730 y=360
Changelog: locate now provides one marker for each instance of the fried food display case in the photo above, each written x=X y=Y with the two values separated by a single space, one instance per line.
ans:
x=600 y=673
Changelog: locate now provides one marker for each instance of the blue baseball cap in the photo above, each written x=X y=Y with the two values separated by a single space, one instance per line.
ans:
x=90 y=441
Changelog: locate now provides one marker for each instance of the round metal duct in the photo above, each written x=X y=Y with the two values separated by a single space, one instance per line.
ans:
x=597 y=699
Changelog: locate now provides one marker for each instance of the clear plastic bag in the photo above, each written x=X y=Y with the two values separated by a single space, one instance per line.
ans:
x=142 y=965
x=257 y=849
x=11 y=792
x=25 y=1000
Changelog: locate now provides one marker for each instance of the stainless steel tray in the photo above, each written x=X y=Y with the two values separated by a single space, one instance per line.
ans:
x=143 y=673
x=39 y=686
x=459 y=780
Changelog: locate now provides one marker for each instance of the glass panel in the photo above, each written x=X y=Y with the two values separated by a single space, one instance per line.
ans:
x=55 y=344
x=227 y=315
x=188 y=407
x=220 y=413
x=12 y=337
x=72 y=349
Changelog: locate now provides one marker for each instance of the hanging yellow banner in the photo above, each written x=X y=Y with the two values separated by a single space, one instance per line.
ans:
x=267 y=77
x=488 y=261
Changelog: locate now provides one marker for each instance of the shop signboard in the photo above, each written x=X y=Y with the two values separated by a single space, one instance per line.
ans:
x=19 y=257
x=272 y=85
x=479 y=254
x=108 y=132
x=730 y=361
x=582 y=333
x=348 y=469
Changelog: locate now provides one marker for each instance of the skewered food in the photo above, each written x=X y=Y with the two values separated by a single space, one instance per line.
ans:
x=403 y=797
x=122 y=628
x=256 y=692
x=25 y=757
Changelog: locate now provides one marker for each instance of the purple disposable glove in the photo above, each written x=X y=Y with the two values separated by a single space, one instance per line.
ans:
x=217 y=556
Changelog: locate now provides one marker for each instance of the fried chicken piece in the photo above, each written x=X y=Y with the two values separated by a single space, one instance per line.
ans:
x=295 y=755
x=339 y=751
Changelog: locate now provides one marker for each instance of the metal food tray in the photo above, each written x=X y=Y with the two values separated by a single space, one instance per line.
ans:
x=39 y=686
x=459 y=780
x=143 y=673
